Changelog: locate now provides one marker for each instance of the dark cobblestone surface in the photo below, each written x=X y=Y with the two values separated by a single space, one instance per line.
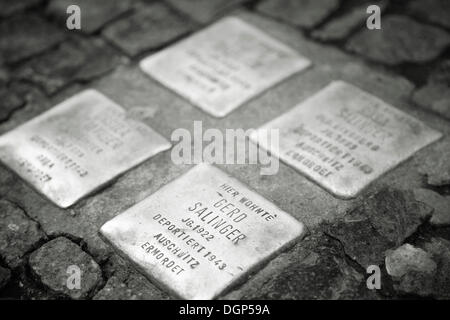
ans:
x=302 y=13
x=26 y=35
x=204 y=11
x=51 y=263
x=5 y=275
x=74 y=60
x=403 y=228
x=18 y=234
x=149 y=28
x=402 y=40
x=96 y=13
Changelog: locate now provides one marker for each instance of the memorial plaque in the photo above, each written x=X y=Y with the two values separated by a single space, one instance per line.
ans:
x=343 y=138
x=78 y=146
x=220 y=68
x=201 y=233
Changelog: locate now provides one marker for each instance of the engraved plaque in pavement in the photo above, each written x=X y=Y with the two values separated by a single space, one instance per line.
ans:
x=78 y=146
x=343 y=138
x=222 y=67
x=201 y=233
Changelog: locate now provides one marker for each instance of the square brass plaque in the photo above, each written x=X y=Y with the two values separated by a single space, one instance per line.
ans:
x=78 y=146
x=199 y=234
x=220 y=68
x=343 y=138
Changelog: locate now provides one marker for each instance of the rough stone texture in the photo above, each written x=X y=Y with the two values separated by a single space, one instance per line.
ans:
x=436 y=168
x=435 y=11
x=381 y=222
x=400 y=40
x=94 y=13
x=435 y=95
x=5 y=275
x=10 y=7
x=302 y=13
x=440 y=205
x=74 y=60
x=204 y=11
x=315 y=268
x=9 y=102
x=26 y=35
x=128 y=284
x=150 y=27
x=18 y=234
x=412 y=269
x=340 y=27
x=50 y=265
x=421 y=271
x=440 y=250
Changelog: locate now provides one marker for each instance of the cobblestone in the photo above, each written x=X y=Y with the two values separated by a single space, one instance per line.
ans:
x=436 y=11
x=423 y=272
x=51 y=262
x=302 y=13
x=437 y=169
x=18 y=234
x=9 y=102
x=381 y=222
x=440 y=205
x=74 y=60
x=402 y=40
x=127 y=284
x=435 y=95
x=204 y=11
x=341 y=27
x=26 y=35
x=9 y=7
x=412 y=268
x=149 y=28
x=315 y=269
x=5 y=275
x=95 y=13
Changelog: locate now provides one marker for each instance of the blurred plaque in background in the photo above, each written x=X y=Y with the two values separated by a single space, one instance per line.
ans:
x=222 y=67
x=343 y=138
x=78 y=146
x=201 y=233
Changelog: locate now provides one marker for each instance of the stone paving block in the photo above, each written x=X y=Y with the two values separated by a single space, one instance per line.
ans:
x=302 y=13
x=10 y=100
x=400 y=40
x=150 y=27
x=382 y=221
x=435 y=11
x=94 y=13
x=435 y=94
x=440 y=250
x=204 y=11
x=421 y=271
x=437 y=167
x=50 y=264
x=412 y=269
x=440 y=205
x=18 y=234
x=26 y=35
x=10 y=7
x=342 y=26
x=127 y=284
x=74 y=60
x=315 y=268
x=5 y=275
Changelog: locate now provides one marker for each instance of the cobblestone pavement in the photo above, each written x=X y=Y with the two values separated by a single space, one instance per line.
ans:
x=401 y=222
